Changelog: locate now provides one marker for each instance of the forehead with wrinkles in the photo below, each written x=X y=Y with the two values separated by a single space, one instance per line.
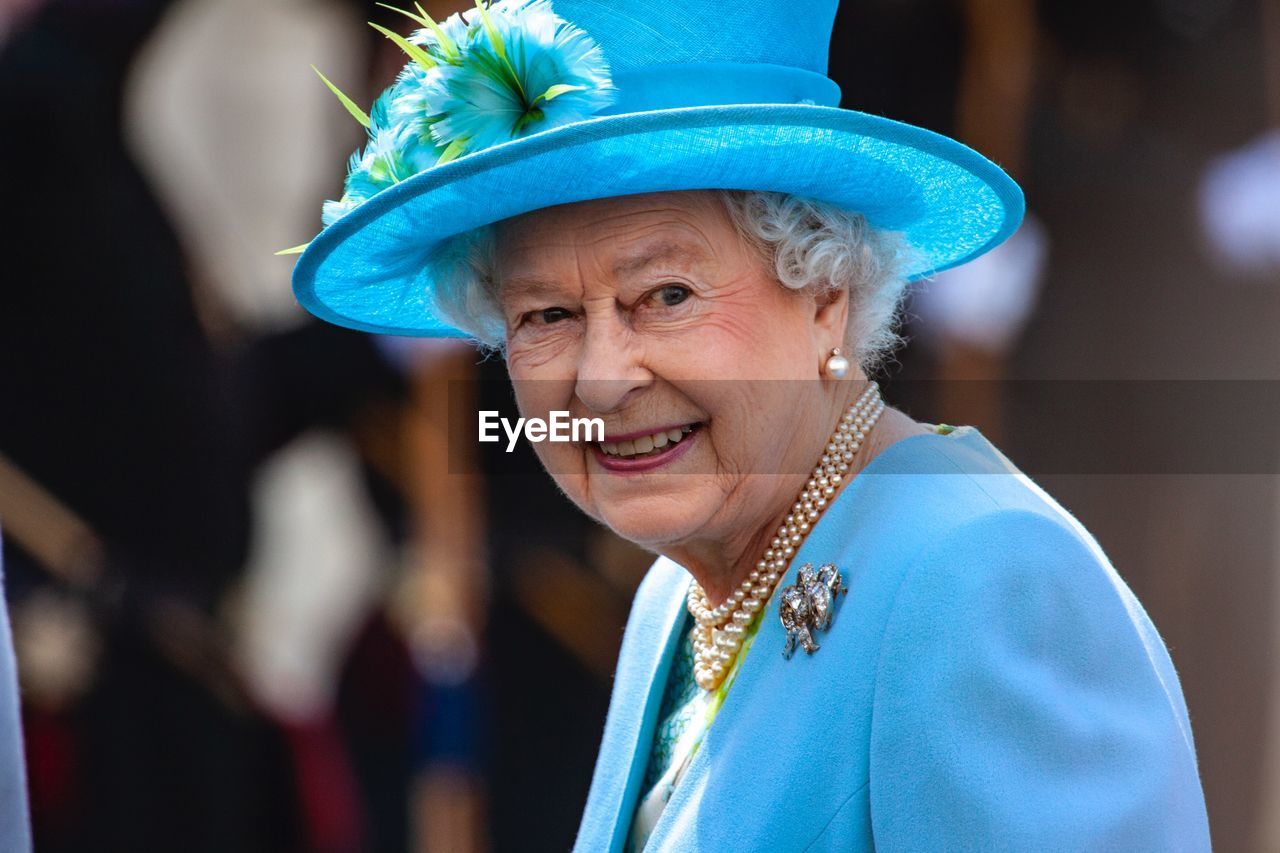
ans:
x=617 y=237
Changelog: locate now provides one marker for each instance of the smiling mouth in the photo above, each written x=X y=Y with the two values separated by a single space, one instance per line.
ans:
x=648 y=446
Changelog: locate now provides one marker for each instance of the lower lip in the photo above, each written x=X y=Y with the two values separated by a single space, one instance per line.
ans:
x=618 y=465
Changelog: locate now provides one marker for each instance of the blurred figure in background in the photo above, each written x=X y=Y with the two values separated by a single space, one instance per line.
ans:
x=139 y=408
x=119 y=408
x=966 y=69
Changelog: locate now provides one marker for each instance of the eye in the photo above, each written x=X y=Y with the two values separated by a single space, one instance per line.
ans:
x=547 y=316
x=672 y=294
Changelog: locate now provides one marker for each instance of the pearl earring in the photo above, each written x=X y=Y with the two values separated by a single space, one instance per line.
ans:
x=837 y=365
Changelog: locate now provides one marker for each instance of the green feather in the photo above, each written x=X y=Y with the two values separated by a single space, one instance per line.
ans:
x=557 y=90
x=355 y=111
x=296 y=250
x=419 y=21
x=422 y=19
x=494 y=38
x=416 y=53
x=498 y=47
x=447 y=44
x=455 y=149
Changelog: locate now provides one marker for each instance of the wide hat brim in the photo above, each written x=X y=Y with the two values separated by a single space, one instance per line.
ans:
x=369 y=270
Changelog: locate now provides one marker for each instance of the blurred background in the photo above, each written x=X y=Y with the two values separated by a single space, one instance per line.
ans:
x=259 y=605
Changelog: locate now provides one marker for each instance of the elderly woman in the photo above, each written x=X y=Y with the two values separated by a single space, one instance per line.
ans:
x=862 y=632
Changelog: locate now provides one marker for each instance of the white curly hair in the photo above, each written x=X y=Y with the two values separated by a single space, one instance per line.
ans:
x=808 y=244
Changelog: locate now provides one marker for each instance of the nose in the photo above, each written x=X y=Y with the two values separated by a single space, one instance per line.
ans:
x=610 y=367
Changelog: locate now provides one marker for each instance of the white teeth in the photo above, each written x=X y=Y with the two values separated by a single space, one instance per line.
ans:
x=645 y=443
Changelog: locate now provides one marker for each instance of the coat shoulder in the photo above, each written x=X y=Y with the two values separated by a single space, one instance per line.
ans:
x=1018 y=678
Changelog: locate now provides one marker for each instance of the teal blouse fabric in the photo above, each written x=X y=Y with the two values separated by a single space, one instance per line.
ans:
x=680 y=690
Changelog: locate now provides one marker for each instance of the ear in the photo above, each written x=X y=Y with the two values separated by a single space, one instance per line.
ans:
x=830 y=319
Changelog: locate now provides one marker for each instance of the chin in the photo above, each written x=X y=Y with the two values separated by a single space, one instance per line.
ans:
x=660 y=519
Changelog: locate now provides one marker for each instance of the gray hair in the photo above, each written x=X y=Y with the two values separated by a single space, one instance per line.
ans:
x=809 y=244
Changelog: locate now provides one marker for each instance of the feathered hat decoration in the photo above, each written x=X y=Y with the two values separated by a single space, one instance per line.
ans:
x=473 y=81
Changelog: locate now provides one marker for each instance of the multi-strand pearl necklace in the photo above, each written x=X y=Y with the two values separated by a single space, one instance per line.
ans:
x=721 y=630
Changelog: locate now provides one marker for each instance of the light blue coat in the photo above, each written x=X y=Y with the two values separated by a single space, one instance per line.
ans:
x=15 y=825
x=989 y=683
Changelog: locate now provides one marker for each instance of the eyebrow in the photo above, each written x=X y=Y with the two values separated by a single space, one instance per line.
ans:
x=534 y=285
x=525 y=285
x=654 y=253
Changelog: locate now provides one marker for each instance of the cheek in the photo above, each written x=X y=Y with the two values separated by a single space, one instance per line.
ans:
x=759 y=426
x=567 y=467
x=756 y=329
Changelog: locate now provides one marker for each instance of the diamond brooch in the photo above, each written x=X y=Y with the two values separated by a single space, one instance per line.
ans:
x=808 y=606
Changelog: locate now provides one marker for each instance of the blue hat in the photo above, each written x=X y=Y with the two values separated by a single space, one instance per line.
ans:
x=521 y=106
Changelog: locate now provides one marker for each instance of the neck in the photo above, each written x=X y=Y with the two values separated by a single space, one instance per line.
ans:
x=720 y=566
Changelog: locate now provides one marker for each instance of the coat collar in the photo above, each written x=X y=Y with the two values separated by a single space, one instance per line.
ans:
x=648 y=648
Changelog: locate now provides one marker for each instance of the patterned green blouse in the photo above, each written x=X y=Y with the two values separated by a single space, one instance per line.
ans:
x=685 y=715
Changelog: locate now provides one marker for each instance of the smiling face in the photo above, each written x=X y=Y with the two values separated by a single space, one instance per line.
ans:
x=652 y=313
